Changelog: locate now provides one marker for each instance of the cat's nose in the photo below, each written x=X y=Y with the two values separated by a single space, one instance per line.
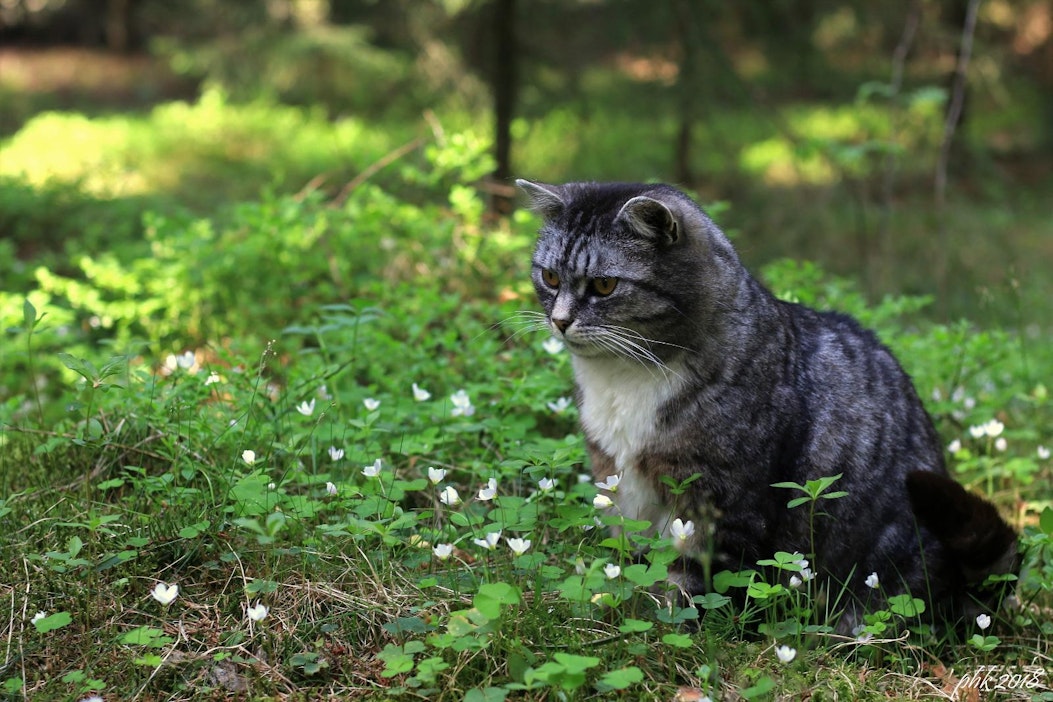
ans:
x=561 y=324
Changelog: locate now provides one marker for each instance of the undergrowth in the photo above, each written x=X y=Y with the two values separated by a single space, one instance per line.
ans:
x=305 y=449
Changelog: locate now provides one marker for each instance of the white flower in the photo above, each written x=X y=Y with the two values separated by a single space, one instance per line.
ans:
x=983 y=621
x=602 y=502
x=488 y=492
x=872 y=581
x=420 y=394
x=559 y=406
x=336 y=453
x=249 y=456
x=164 y=593
x=612 y=570
x=552 y=345
x=462 y=404
x=969 y=402
x=272 y=486
x=435 y=475
x=977 y=431
x=795 y=581
x=1001 y=444
x=212 y=378
x=489 y=542
x=1043 y=453
x=546 y=484
x=518 y=546
x=993 y=428
x=330 y=488
x=93 y=698
x=955 y=446
x=449 y=496
x=785 y=653
x=37 y=617
x=806 y=572
x=373 y=470
x=611 y=483
x=184 y=360
x=442 y=551
x=861 y=633
x=306 y=408
x=257 y=612
x=371 y=404
x=681 y=530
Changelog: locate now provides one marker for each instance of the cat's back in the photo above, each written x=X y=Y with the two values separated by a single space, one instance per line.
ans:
x=863 y=408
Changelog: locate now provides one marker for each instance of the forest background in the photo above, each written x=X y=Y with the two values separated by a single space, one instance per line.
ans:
x=249 y=247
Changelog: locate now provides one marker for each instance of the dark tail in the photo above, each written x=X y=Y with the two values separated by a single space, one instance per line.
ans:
x=968 y=526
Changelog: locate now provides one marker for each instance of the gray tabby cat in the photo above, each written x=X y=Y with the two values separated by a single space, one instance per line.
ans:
x=686 y=366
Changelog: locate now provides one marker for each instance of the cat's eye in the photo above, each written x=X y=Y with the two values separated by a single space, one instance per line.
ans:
x=550 y=277
x=604 y=286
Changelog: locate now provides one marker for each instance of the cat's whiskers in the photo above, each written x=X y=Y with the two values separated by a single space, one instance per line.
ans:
x=616 y=340
x=524 y=322
x=640 y=337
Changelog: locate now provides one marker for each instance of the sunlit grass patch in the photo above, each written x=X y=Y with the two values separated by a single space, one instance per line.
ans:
x=184 y=149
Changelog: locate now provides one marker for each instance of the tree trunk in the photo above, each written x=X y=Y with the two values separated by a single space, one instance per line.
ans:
x=505 y=86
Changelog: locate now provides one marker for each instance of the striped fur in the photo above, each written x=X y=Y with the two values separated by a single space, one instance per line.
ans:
x=691 y=367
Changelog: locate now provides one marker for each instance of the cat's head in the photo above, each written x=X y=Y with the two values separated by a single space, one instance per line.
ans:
x=626 y=269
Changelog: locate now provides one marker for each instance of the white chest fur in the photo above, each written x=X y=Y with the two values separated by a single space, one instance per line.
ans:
x=619 y=408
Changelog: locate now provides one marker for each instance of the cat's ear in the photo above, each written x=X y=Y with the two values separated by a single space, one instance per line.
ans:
x=546 y=200
x=650 y=218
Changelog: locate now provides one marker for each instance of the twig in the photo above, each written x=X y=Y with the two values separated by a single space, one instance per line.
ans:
x=375 y=167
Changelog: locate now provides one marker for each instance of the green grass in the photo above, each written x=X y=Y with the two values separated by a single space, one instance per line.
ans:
x=180 y=289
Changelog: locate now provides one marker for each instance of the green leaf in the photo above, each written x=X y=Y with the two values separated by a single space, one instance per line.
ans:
x=29 y=315
x=711 y=600
x=396 y=661
x=1045 y=521
x=762 y=590
x=622 y=677
x=52 y=622
x=145 y=636
x=81 y=366
x=797 y=502
x=793 y=486
x=678 y=640
x=486 y=694
x=150 y=660
x=116 y=559
x=763 y=687
x=726 y=579
x=492 y=595
x=634 y=626
x=645 y=575
x=906 y=606
x=114 y=366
